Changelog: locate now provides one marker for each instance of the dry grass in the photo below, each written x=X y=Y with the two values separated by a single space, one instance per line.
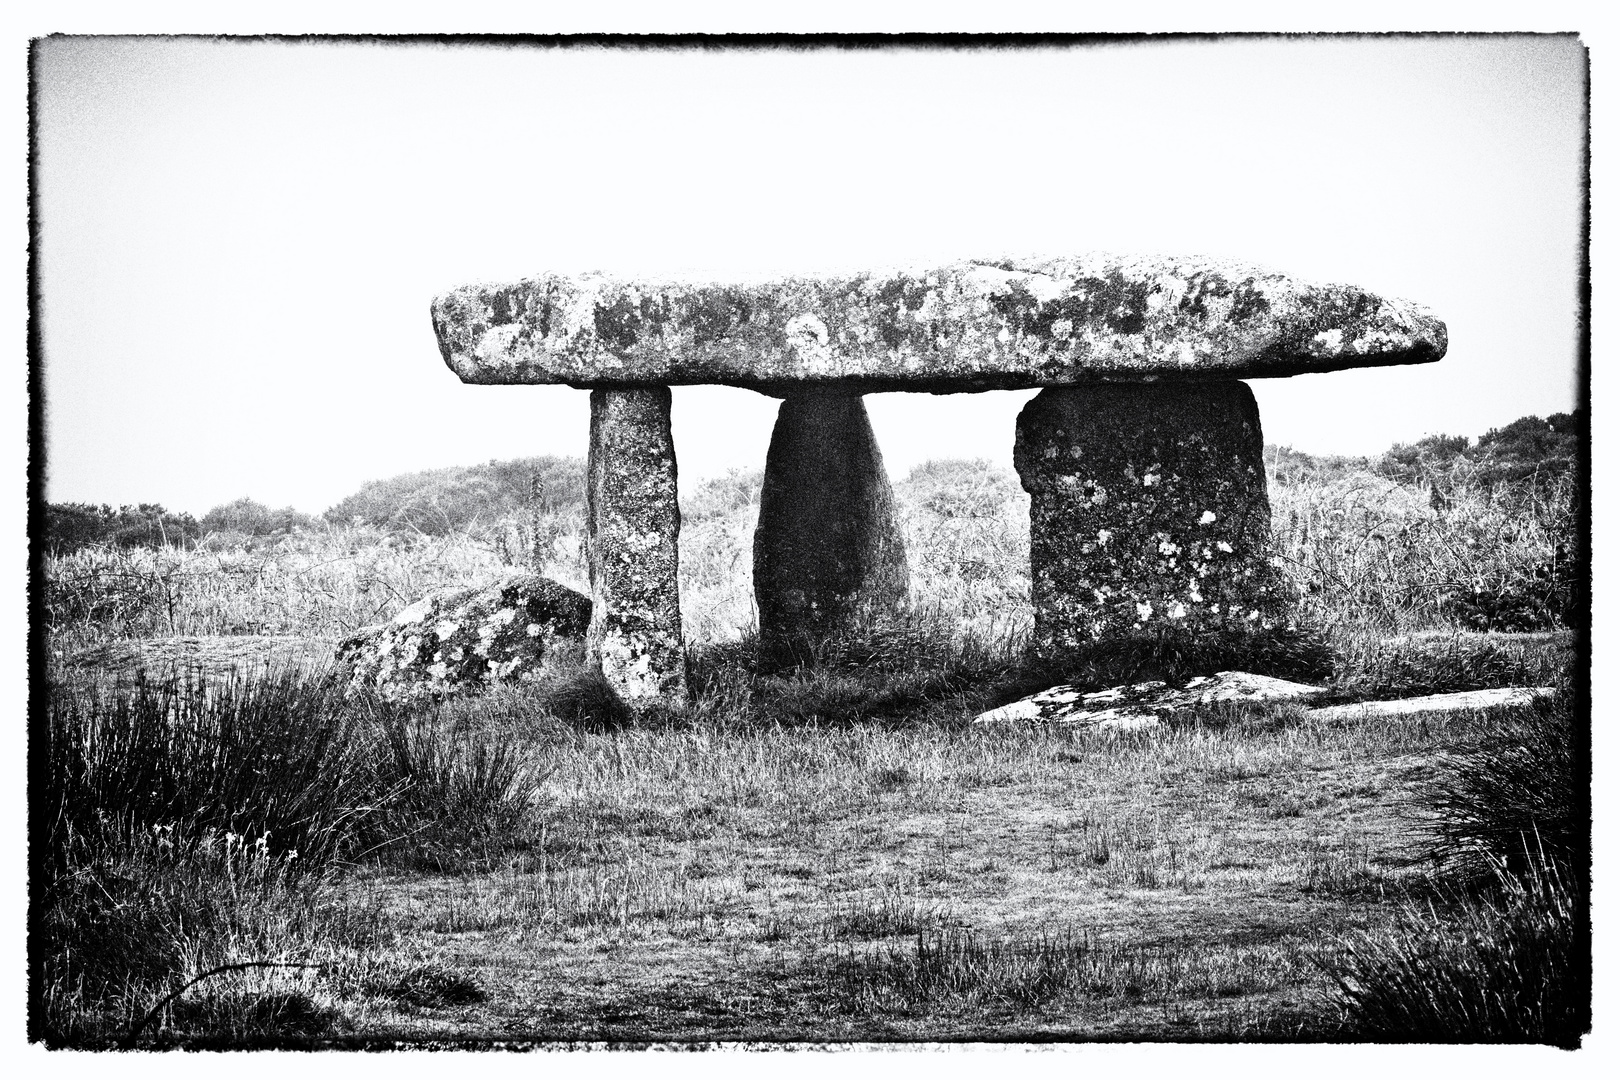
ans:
x=836 y=852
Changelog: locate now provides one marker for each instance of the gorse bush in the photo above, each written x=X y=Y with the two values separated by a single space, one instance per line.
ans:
x=1530 y=447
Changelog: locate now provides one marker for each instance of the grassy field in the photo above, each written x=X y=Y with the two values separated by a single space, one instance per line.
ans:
x=831 y=853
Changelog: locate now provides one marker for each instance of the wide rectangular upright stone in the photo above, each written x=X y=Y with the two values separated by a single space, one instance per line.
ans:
x=966 y=326
x=1148 y=513
x=633 y=525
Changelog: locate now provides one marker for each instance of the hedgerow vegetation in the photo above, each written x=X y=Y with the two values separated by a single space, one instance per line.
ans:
x=832 y=851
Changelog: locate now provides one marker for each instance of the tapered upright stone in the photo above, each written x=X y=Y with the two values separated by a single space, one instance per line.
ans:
x=828 y=554
x=633 y=526
x=1148 y=513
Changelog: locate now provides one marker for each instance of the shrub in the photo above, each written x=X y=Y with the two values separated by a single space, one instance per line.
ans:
x=720 y=496
x=72 y=526
x=1530 y=447
x=1417 y=463
x=464 y=498
x=245 y=517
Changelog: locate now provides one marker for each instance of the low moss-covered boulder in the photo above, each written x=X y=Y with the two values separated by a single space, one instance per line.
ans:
x=458 y=640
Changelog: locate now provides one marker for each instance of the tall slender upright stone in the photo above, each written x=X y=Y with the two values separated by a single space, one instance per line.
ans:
x=1148 y=513
x=828 y=554
x=633 y=526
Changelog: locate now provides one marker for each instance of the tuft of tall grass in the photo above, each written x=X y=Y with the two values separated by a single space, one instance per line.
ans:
x=1504 y=966
x=888 y=912
x=274 y=756
x=1506 y=956
x=459 y=796
x=1513 y=793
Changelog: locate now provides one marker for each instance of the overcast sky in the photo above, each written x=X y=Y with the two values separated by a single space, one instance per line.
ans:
x=240 y=240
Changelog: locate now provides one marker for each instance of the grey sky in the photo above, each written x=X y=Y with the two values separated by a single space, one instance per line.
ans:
x=240 y=240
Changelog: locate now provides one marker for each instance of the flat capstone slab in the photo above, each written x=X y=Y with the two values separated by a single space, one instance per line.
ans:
x=968 y=326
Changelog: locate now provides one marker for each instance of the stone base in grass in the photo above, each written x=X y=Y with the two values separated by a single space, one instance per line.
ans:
x=1145 y=704
x=1463 y=701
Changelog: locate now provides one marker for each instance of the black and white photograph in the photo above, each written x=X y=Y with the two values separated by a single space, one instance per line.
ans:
x=609 y=542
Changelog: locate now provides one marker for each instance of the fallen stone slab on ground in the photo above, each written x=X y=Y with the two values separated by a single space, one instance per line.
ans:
x=966 y=326
x=1433 y=703
x=466 y=639
x=1145 y=704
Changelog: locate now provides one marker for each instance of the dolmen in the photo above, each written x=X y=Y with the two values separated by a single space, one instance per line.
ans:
x=1141 y=453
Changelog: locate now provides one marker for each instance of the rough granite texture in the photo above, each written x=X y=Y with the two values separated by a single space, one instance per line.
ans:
x=1148 y=513
x=465 y=639
x=1002 y=324
x=633 y=527
x=828 y=554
